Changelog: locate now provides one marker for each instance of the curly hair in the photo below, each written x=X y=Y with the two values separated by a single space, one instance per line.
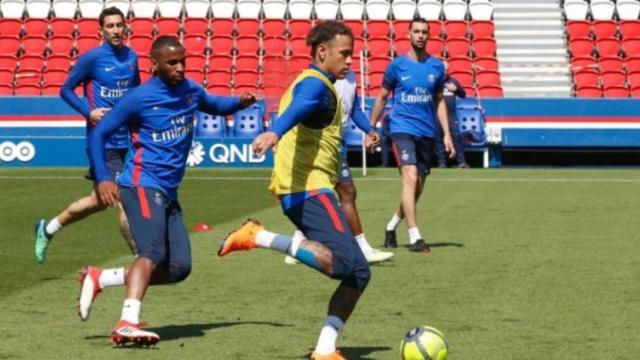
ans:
x=325 y=32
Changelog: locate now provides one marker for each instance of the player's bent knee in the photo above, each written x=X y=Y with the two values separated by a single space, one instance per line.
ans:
x=179 y=271
x=359 y=279
x=157 y=256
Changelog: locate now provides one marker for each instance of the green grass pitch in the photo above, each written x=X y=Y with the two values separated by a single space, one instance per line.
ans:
x=525 y=264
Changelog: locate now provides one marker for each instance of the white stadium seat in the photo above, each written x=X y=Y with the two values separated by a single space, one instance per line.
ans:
x=90 y=8
x=628 y=9
x=65 y=8
x=223 y=8
x=12 y=9
x=170 y=8
x=326 y=9
x=274 y=9
x=248 y=9
x=576 y=9
x=123 y=5
x=38 y=8
x=352 y=9
x=403 y=9
x=429 y=9
x=143 y=8
x=378 y=9
x=480 y=9
x=454 y=9
x=197 y=8
x=300 y=9
x=602 y=9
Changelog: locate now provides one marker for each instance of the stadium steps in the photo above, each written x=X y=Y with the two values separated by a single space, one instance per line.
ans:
x=531 y=48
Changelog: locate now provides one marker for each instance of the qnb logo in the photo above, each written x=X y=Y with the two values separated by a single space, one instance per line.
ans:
x=196 y=154
x=23 y=151
x=231 y=153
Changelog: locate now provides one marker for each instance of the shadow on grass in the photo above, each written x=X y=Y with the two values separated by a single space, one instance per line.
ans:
x=441 y=244
x=359 y=353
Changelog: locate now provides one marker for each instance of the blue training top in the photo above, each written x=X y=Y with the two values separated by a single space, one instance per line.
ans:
x=414 y=85
x=106 y=73
x=161 y=120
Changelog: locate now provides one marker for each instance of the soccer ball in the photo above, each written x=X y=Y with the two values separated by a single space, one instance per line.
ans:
x=423 y=343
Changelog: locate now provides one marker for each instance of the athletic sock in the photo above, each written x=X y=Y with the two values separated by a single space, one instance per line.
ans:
x=131 y=311
x=329 y=335
x=111 y=277
x=53 y=227
x=394 y=222
x=362 y=242
x=414 y=235
x=298 y=235
x=268 y=240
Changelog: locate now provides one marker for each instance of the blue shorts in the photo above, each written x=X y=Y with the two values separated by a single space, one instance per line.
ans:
x=115 y=164
x=321 y=219
x=413 y=150
x=158 y=229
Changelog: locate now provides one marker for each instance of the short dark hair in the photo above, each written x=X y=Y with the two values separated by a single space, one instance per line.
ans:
x=418 y=20
x=162 y=41
x=109 y=12
x=325 y=32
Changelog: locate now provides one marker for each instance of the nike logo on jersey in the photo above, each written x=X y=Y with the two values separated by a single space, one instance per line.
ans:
x=405 y=78
x=109 y=68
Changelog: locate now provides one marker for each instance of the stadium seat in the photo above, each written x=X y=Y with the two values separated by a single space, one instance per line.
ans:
x=171 y=26
x=35 y=27
x=586 y=77
x=358 y=46
x=455 y=46
x=465 y=77
x=248 y=9
x=583 y=62
x=457 y=63
x=632 y=63
x=613 y=78
x=299 y=27
x=589 y=92
x=223 y=8
x=142 y=43
x=485 y=63
x=54 y=76
x=247 y=123
x=144 y=8
x=375 y=78
x=470 y=91
x=248 y=44
x=218 y=26
x=401 y=28
x=219 y=76
x=377 y=28
x=248 y=26
x=6 y=75
x=12 y=9
x=194 y=43
x=300 y=9
x=490 y=91
x=429 y=9
x=196 y=75
x=34 y=44
x=356 y=26
x=65 y=9
x=581 y=47
x=90 y=8
x=8 y=62
x=210 y=126
x=481 y=9
x=578 y=29
x=62 y=26
x=195 y=61
x=403 y=9
x=245 y=77
x=378 y=9
x=456 y=29
x=352 y=9
x=59 y=62
x=616 y=92
x=9 y=44
x=633 y=78
x=28 y=90
x=326 y=9
x=298 y=63
x=610 y=63
x=628 y=9
x=471 y=121
x=144 y=62
x=123 y=5
x=10 y=26
x=196 y=8
x=402 y=45
x=51 y=90
x=170 y=8
x=274 y=9
x=605 y=29
x=487 y=77
x=436 y=46
x=276 y=45
x=219 y=89
x=87 y=25
x=145 y=75
x=274 y=27
x=436 y=28
x=28 y=78
x=298 y=45
x=602 y=9
x=378 y=63
x=357 y=63
x=378 y=46
x=60 y=45
x=454 y=9
x=247 y=62
x=608 y=47
x=483 y=47
x=631 y=46
x=30 y=62
x=634 y=93
x=629 y=29
x=38 y=8
x=141 y=26
x=576 y=9
x=482 y=29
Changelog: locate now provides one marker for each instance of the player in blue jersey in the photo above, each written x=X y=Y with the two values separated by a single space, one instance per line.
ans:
x=416 y=81
x=160 y=115
x=106 y=73
x=452 y=90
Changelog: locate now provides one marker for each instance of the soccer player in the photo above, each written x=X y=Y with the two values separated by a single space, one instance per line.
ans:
x=347 y=92
x=160 y=114
x=106 y=74
x=416 y=79
x=308 y=134
x=452 y=90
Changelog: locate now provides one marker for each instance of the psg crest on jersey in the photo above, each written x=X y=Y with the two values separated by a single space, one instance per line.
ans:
x=432 y=78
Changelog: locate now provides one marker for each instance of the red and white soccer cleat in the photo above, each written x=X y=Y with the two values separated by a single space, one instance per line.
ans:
x=89 y=278
x=126 y=332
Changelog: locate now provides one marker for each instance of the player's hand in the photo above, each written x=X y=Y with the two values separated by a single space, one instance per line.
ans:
x=108 y=193
x=96 y=115
x=264 y=141
x=451 y=86
x=248 y=98
x=372 y=140
x=448 y=146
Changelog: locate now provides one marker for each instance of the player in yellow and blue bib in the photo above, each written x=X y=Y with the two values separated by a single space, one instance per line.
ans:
x=308 y=133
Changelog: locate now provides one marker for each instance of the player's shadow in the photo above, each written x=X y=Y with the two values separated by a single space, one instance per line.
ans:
x=442 y=244
x=360 y=353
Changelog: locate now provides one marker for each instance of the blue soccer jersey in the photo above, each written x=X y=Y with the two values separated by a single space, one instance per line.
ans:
x=161 y=120
x=414 y=85
x=106 y=74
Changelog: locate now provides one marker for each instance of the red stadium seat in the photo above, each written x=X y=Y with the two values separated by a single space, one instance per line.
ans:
x=248 y=44
x=34 y=44
x=455 y=46
x=484 y=47
x=8 y=61
x=583 y=62
x=632 y=63
x=274 y=45
x=31 y=62
x=298 y=63
x=223 y=27
x=219 y=89
x=378 y=46
x=635 y=92
x=435 y=46
x=630 y=28
x=401 y=28
x=487 y=77
x=6 y=89
x=141 y=43
x=356 y=26
x=221 y=44
x=54 y=76
x=247 y=62
x=6 y=75
x=465 y=77
x=36 y=27
x=402 y=45
x=197 y=44
x=141 y=26
x=356 y=63
x=455 y=29
x=374 y=90
x=435 y=28
x=634 y=79
x=378 y=63
x=457 y=63
x=298 y=45
x=358 y=45
x=470 y=91
x=169 y=26
x=377 y=28
x=631 y=46
x=28 y=77
x=196 y=62
x=613 y=78
x=273 y=27
x=581 y=47
x=87 y=26
x=491 y=91
x=196 y=75
x=246 y=77
x=145 y=75
x=485 y=63
x=51 y=90
x=85 y=43
x=482 y=28
x=248 y=26
x=578 y=29
x=244 y=88
x=60 y=45
x=608 y=47
x=10 y=27
x=62 y=62
x=62 y=26
x=375 y=78
x=610 y=63
x=586 y=77
x=220 y=62
x=219 y=77
x=605 y=29
x=299 y=27
x=616 y=92
x=589 y=92
x=144 y=62
x=28 y=90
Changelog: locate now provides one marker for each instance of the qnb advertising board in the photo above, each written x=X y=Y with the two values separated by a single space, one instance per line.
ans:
x=29 y=138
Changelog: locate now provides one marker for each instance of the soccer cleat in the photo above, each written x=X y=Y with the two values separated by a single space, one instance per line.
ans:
x=336 y=355
x=390 y=239
x=89 y=278
x=419 y=246
x=243 y=238
x=375 y=255
x=290 y=260
x=42 y=240
x=126 y=332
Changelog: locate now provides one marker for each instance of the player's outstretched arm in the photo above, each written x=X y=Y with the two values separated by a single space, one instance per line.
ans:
x=360 y=119
x=225 y=105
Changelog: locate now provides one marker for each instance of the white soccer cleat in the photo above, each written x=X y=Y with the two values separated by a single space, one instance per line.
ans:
x=126 y=332
x=88 y=277
x=290 y=260
x=376 y=256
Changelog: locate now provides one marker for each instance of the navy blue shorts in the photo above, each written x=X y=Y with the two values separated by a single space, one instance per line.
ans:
x=413 y=150
x=158 y=229
x=321 y=219
x=115 y=164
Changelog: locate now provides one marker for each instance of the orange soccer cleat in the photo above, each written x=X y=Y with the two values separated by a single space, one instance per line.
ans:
x=336 y=355
x=243 y=238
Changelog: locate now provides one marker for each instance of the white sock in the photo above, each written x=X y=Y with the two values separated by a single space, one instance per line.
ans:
x=295 y=244
x=131 y=311
x=264 y=238
x=362 y=242
x=329 y=335
x=111 y=277
x=53 y=227
x=414 y=235
x=298 y=235
x=394 y=222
